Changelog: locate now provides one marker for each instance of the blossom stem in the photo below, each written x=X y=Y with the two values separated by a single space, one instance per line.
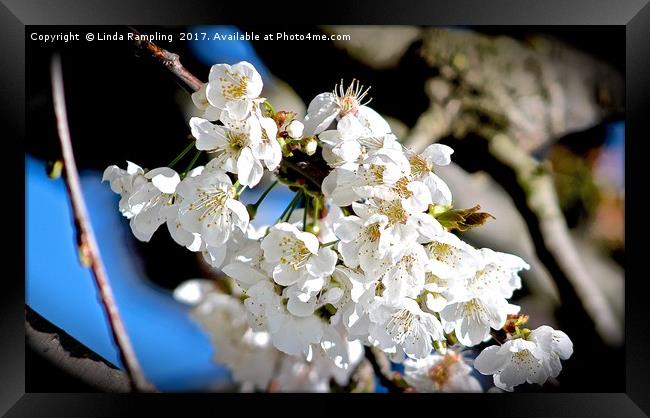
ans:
x=327 y=244
x=293 y=206
x=191 y=164
x=304 y=213
x=265 y=193
x=315 y=214
x=181 y=155
x=289 y=207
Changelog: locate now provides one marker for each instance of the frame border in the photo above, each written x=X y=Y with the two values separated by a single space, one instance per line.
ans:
x=634 y=14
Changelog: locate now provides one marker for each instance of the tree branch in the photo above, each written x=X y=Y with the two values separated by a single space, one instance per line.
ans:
x=169 y=60
x=87 y=246
x=551 y=234
x=381 y=367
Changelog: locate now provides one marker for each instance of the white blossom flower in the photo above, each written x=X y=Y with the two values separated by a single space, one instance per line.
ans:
x=240 y=246
x=352 y=307
x=556 y=344
x=146 y=197
x=326 y=107
x=290 y=334
x=232 y=146
x=423 y=166
x=190 y=240
x=403 y=328
x=501 y=272
x=350 y=143
x=479 y=302
x=532 y=359
x=125 y=183
x=382 y=175
x=471 y=318
x=405 y=277
x=267 y=149
x=245 y=262
x=441 y=373
x=451 y=261
x=233 y=89
x=209 y=207
x=297 y=254
x=374 y=237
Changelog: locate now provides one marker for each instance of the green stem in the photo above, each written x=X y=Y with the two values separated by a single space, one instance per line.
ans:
x=327 y=244
x=291 y=205
x=191 y=164
x=181 y=155
x=316 y=208
x=269 y=107
x=265 y=193
x=304 y=213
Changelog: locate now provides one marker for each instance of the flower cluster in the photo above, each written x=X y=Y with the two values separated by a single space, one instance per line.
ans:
x=370 y=259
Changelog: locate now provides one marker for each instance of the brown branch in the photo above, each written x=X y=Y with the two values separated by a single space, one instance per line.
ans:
x=169 y=60
x=381 y=367
x=71 y=356
x=86 y=243
x=554 y=242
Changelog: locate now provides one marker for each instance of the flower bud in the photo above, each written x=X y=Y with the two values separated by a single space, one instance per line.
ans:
x=309 y=145
x=295 y=129
x=54 y=169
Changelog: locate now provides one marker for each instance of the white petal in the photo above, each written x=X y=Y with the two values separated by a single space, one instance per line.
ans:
x=321 y=113
x=241 y=214
x=243 y=273
x=164 y=178
x=373 y=121
x=249 y=169
x=349 y=127
x=490 y=361
x=238 y=109
x=285 y=275
x=323 y=263
x=208 y=136
x=438 y=154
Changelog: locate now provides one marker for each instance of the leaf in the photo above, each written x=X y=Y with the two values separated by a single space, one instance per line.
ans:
x=460 y=219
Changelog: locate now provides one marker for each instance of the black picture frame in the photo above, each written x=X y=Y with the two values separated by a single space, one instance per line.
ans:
x=633 y=14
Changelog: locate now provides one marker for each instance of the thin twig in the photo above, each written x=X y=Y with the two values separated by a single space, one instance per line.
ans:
x=169 y=60
x=86 y=243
